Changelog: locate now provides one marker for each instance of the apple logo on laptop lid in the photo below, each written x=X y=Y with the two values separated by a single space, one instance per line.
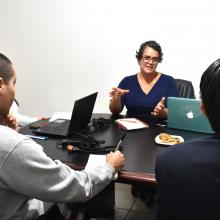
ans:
x=190 y=115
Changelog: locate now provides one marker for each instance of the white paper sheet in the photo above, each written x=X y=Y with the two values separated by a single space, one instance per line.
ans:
x=131 y=123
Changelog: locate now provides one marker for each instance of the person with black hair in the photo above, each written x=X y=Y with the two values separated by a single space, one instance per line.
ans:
x=144 y=94
x=188 y=174
x=28 y=176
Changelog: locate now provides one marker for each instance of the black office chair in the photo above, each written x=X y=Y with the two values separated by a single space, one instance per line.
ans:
x=185 y=89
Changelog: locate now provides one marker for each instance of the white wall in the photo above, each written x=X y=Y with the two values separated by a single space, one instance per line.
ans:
x=65 y=49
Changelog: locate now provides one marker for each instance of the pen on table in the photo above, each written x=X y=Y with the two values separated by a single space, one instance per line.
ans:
x=37 y=137
x=120 y=141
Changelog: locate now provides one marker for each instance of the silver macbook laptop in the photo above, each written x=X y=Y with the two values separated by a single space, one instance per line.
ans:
x=81 y=115
x=184 y=113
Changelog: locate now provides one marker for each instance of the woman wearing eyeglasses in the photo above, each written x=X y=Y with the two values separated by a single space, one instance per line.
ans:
x=144 y=94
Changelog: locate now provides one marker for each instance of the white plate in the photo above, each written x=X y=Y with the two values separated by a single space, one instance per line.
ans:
x=158 y=141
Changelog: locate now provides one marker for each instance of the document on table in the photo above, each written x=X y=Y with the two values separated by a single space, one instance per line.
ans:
x=131 y=123
x=95 y=160
x=63 y=115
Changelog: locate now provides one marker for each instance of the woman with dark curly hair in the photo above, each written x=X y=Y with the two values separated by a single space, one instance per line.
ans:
x=144 y=94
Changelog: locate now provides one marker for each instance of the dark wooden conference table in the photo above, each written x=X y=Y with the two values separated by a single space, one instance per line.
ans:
x=139 y=148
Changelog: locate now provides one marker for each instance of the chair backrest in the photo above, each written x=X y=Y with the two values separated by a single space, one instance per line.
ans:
x=185 y=89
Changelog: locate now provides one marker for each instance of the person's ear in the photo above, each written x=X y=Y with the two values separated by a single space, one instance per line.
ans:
x=203 y=109
x=1 y=82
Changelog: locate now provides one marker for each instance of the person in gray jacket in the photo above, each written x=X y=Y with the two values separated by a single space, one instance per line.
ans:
x=28 y=176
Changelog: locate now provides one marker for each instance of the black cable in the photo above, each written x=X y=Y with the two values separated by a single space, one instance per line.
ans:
x=77 y=147
x=88 y=145
x=100 y=123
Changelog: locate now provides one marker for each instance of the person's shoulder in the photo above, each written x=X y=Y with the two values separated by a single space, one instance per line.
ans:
x=185 y=148
x=172 y=156
x=8 y=133
x=13 y=143
x=9 y=138
x=167 y=77
x=130 y=77
x=167 y=80
x=169 y=151
x=128 y=80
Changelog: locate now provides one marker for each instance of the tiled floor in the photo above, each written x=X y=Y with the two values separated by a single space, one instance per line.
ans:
x=128 y=207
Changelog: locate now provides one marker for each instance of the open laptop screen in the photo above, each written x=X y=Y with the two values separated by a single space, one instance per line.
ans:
x=81 y=115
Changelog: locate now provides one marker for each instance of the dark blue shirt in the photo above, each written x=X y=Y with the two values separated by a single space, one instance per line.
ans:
x=188 y=177
x=138 y=103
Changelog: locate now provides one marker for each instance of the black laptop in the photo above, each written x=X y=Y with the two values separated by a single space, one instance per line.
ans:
x=81 y=116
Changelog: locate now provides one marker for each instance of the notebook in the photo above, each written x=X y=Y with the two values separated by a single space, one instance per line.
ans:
x=81 y=116
x=131 y=123
x=185 y=113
